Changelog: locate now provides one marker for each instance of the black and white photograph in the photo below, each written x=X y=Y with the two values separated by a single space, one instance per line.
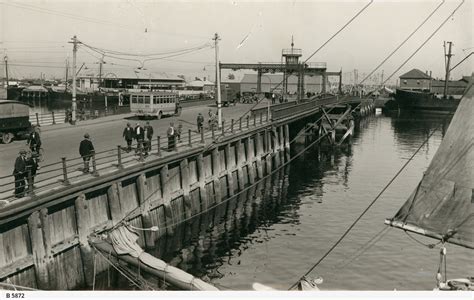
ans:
x=206 y=148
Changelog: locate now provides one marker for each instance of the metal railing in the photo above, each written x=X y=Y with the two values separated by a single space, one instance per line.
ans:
x=66 y=171
x=59 y=117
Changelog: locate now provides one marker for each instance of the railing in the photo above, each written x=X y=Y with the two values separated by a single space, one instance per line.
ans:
x=59 y=117
x=66 y=171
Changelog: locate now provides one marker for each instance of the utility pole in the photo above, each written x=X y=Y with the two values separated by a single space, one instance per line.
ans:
x=67 y=71
x=100 y=72
x=74 y=105
x=448 y=61
x=218 y=81
x=6 y=68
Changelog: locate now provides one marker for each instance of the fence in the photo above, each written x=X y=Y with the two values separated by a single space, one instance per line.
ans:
x=66 y=170
x=59 y=117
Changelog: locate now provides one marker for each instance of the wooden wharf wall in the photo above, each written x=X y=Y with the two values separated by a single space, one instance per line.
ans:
x=45 y=245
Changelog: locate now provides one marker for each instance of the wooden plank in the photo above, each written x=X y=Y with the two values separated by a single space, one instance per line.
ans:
x=204 y=200
x=114 y=193
x=185 y=181
x=145 y=204
x=216 y=167
x=165 y=188
x=240 y=163
x=229 y=157
x=84 y=225
x=250 y=156
x=38 y=250
x=16 y=266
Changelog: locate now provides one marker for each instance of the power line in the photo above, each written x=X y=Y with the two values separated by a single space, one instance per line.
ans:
x=341 y=29
x=426 y=41
x=402 y=43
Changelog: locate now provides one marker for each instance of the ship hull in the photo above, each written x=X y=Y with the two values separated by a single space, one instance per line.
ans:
x=422 y=101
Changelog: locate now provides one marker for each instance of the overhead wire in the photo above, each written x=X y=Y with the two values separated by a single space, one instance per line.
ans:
x=403 y=42
x=426 y=41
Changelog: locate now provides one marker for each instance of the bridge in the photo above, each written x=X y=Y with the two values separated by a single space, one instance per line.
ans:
x=44 y=236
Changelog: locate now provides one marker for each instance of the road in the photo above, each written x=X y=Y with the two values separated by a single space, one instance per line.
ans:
x=106 y=133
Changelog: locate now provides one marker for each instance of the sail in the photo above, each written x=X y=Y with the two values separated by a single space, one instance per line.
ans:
x=442 y=206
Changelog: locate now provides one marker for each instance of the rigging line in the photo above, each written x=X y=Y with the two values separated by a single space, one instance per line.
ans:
x=365 y=210
x=426 y=41
x=374 y=240
x=341 y=29
x=402 y=43
x=430 y=246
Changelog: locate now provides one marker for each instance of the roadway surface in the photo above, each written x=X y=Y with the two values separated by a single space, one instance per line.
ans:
x=106 y=133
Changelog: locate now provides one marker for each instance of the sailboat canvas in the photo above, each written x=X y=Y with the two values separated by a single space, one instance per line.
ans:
x=442 y=206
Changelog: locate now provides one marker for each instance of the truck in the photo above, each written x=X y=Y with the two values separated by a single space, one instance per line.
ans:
x=14 y=120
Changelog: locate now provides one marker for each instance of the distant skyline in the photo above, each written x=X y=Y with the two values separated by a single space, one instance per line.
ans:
x=35 y=34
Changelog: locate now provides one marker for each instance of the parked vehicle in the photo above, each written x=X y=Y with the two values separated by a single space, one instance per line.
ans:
x=14 y=120
x=154 y=104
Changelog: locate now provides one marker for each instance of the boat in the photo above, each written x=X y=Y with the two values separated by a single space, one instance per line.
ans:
x=425 y=101
x=441 y=207
x=426 y=97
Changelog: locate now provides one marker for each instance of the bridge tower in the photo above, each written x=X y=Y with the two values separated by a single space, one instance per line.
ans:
x=291 y=58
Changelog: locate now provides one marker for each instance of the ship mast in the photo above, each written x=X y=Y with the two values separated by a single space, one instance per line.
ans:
x=448 y=61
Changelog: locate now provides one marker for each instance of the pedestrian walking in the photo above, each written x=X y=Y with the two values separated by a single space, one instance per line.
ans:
x=31 y=169
x=178 y=132
x=200 y=122
x=19 y=173
x=34 y=140
x=148 y=133
x=86 y=150
x=139 y=136
x=171 y=137
x=128 y=134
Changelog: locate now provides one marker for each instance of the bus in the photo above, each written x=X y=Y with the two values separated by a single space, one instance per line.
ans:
x=154 y=104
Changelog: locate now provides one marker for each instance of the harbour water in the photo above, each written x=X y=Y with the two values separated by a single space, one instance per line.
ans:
x=307 y=207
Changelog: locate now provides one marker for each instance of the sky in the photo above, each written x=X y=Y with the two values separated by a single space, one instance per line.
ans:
x=34 y=35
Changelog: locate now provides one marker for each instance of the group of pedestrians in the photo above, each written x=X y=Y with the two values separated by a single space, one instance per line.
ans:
x=142 y=135
x=27 y=164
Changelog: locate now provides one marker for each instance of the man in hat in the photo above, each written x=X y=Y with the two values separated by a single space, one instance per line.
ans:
x=128 y=134
x=200 y=122
x=139 y=136
x=171 y=137
x=31 y=168
x=34 y=140
x=86 y=150
x=148 y=133
x=19 y=172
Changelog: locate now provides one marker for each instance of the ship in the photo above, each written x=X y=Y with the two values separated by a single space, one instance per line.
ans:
x=420 y=92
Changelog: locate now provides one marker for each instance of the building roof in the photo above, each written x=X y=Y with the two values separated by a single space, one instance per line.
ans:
x=35 y=88
x=130 y=74
x=275 y=79
x=466 y=79
x=200 y=83
x=415 y=74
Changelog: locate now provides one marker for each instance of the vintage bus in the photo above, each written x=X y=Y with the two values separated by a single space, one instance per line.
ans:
x=154 y=104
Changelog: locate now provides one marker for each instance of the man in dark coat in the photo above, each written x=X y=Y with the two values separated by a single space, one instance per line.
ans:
x=31 y=168
x=148 y=133
x=34 y=140
x=86 y=150
x=171 y=137
x=200 y=122
x=128 y=134
x=19 y=172
x=139 y=136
